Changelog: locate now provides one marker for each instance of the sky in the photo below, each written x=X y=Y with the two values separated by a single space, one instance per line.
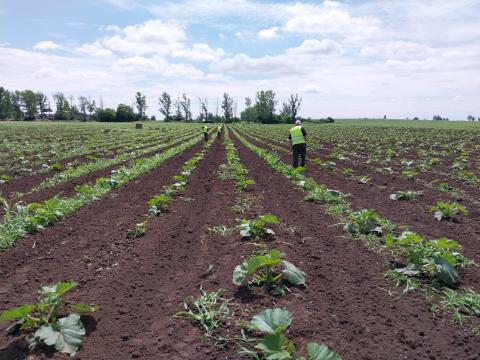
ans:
x=402 y=58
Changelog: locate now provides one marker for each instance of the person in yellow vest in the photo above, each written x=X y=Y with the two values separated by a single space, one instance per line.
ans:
x=219 y=131
x=298 y=138
x=205 y=132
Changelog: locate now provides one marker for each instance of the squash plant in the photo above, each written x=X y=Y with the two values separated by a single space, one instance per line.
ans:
x=448 y=211
x=366 y=222
x=256 y=228
x=405 y=195
x=42 y=321
x=275 y=345
x=431 y=258
x=265 y=271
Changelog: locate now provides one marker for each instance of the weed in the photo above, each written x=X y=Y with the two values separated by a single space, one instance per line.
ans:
x=447 y=211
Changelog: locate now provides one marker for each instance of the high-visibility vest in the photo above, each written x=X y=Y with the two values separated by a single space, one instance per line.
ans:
x=297 y=135
x=205 y=129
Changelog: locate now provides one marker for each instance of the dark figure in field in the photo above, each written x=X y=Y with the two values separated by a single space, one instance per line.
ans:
x=205 y=132
x=298 y=137
x=219 y=131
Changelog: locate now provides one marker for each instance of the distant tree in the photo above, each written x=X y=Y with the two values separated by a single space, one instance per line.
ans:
x=141 y=105
x=265 y=103
x=471 y=118
x=153 y=118
x=185 y=104
x=91 y=107
x=291 y=107
x=248 y=102
x=165 y=102
x=83 y=103
x=29 y=104
x=5 y=103
x=62 y=111
x=16 y=110
x=227 y=104
x=107 y=115
x=178 y=110
x=415 y=118
x=203 y=109
x=43 y=105
x=124 y=113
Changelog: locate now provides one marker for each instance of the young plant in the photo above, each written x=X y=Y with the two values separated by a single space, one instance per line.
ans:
x=447 y=211
x=257 y=227
x=321 y=194
x=42 y=322
x=208 y=311
x=405 y=195
x=158 y=204
x=264 y=271
x=432 y=258
x=364 y=179
x=410 y=174
x=463 y=304
x=139 y=230
x=4 y=179
x=243 y=184
x=348 y=172
x=275 y=345
x=368 y=222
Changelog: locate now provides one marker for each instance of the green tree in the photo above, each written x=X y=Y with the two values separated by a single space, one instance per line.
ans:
x=185 y=104
x=16 y=110
x=203 y=109
x=178 y=111
x=125 y=113
x=83 y=106
x=165 y=102
x=107 y=115
x=141 y=105
x=43 y=104
x=227 y=107
x=265 y=104
x=5 y=103
x=29 y=104
x=62 y=111
x=291 y=107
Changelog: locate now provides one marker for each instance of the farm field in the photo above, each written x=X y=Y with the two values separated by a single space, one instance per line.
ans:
x=184 y=247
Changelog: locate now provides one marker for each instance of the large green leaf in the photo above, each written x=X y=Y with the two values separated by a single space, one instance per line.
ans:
x=272 y=320
x=276 y=347
x=68 y=337
x=84 y=308
x=269 y=218
x=58 y=289
x=17 y=312
x=321 y=352
x=293 y=274
x=445 y=272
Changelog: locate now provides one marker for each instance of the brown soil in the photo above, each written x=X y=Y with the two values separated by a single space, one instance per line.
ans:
x=141 y=283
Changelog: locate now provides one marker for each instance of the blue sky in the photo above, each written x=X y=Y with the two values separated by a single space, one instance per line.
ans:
x=402 y=58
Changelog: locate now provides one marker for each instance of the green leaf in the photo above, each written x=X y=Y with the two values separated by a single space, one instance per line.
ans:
x=321 y=352
x=445 y=272
x=275 y=347
x=68 y=337
x=269 y=218
x=84 y=308
x=240 y=273
x=293 y=274
x=58 y=289
x=17 y=312
x=271 y=321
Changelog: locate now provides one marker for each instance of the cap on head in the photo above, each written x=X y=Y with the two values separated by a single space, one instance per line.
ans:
x=297 y=122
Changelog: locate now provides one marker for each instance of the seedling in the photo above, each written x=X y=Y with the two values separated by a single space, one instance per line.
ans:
x=222 y=230
x=405 y=195
x=463 y=304
x=257 y=227
x=139 y=230
x=4 y=179
x=42 y=324
x=348 y=172
x=410 y=174
x=447 y=211
x=367 y=222
x=158 y=204
x=243 y=184
x=263 y=269
x=55 y=166
x=275 y=345
x=208 y=311
x=363 y=179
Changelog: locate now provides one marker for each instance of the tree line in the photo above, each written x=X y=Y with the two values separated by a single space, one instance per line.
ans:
x=31 y=105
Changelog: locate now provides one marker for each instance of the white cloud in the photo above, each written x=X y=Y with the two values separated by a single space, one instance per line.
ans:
x=199 y=52
x=312 y=89
x=46 y=45
x=184 y=71
x=122 y=4
x=316 y=47
x=95 y=49
x=329 y=18
x=368 y=51
x=268 y=34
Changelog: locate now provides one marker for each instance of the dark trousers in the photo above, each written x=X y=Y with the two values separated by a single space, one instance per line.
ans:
x=205 y=135
x=218 y=134
x=299 y=149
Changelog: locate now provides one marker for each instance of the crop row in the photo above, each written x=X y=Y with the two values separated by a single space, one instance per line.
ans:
x=20 y=220
x=416 y=262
